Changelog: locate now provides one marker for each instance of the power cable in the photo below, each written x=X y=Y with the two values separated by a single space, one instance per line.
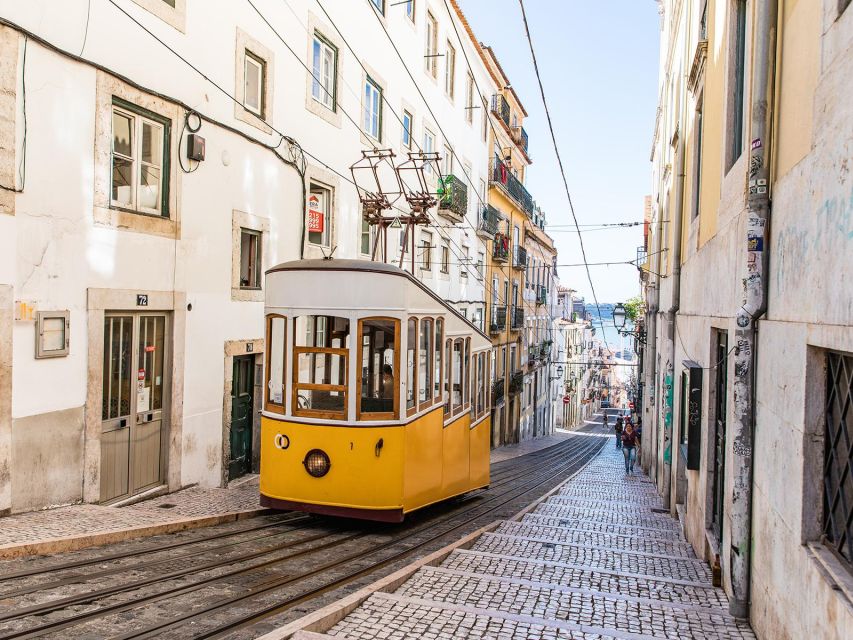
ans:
x=22 y=164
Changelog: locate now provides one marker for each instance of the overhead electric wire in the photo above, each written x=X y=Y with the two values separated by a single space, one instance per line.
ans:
x=559 y=160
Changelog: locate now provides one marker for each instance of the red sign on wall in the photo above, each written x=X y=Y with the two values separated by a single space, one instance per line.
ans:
x=315 y=214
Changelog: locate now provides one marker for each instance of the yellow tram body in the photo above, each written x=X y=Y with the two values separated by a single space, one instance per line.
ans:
x=400 y=429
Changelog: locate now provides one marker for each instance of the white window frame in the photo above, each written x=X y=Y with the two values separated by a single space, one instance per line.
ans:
x=430 y=60
x=426 y=251
x=257 y=265
x=466 y=264
x=447 y=166
x=253 y=59
x=450 y=70
x=429 y=147
x=469 y=99
x=324 y=80
x=410 y=10
x=372 y=96
x=445 y=258
x=380 y=6
x=137 y=122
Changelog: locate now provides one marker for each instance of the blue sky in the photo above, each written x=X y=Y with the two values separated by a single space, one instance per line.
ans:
x=598 y=62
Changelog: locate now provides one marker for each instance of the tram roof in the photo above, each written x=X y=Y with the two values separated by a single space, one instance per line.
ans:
x=368 y=266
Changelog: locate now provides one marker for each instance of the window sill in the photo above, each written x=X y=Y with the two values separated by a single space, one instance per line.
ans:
x=135 y=221
x=333 y=117
x=836 y=574
x=238 y=294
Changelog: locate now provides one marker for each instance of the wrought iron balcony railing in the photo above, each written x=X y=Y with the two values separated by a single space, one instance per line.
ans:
x=489 y=223
x=517 y=318
x=501 y=175
x=453 y=198
x=500 y=107
x=533 y=354
x=520 y=137
x=498 y=320
x=519 y=257
x=541 y=295
x=516 y=382
x=500 y=248
x=498 y=389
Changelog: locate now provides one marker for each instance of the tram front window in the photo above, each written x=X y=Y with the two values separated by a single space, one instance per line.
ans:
x=379 y=368
x=320 y=354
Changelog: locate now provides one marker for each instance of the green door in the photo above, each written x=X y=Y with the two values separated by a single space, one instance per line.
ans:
x=241 y=417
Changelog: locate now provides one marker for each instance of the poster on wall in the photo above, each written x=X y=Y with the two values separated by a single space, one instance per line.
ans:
x=315 y=214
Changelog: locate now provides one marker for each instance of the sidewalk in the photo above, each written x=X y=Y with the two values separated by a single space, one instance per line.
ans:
x=593 y=561
x=86 y=525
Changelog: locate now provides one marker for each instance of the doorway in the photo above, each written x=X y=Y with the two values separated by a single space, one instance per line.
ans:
x=135 y=393
x=242 y=402
x=720 y=403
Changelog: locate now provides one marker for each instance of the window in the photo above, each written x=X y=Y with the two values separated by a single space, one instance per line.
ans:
x=466 y=264
x=53 y=334
x=426 y=250
x=254 y=79
x=466 y=372
x=250 y=259
x=457 y=383
x=438 y=361
x=428 y=147
x=739 y=82
x=411 y=364
x=447 y=165
x=372 y=120
x=469 y=99
x=837 y=463
x=275 y=355
x=319 y=217
x=445 y=259
x=407 y=129
x=410 y=10
x=324 y=62
x=425 y=363
x=450 y=71
x=171 y=3
x=448 y=357
x=140 y=168
x=380 y=5
x=378 y=369
x=697 y=156
x=320 y=352
x=366 y=244
x=842 y=5
x=485 y=113
x=431 y=50
x=481 y=259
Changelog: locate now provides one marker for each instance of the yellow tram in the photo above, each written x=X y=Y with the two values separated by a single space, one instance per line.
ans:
x=376 y=401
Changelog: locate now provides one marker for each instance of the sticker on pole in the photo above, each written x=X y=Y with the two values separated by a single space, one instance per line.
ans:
x=140 y=375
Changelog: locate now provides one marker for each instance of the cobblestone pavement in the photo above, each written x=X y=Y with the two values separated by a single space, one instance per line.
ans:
x=528 y=446
x=594 y=561
x=91 y=519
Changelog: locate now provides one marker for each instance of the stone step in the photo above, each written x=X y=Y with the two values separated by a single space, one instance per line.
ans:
x=591 y=556
x=651 y=519
x=602 y=527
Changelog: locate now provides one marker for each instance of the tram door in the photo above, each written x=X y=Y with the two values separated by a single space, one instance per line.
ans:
x=134 y=395
x=241 y=417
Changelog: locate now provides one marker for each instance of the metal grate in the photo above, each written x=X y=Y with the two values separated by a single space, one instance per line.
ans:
x=838 y=455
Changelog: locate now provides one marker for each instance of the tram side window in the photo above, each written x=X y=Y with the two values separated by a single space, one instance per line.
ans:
x=411 y=364
x=275 y=363
x=458 y=382
x=439 y=361
x=481 y=384
x=448 y=353
x=379 y=368
x=466 y=373
x=321 y=347
x=425 y=365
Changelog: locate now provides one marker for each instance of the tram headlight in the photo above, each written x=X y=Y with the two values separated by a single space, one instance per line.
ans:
x=317 y=463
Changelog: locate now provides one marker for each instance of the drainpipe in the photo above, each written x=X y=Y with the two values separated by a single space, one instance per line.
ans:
x=672 y=312
x=754 y=304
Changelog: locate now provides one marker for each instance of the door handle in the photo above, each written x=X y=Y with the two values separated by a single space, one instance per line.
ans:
x=122 y=423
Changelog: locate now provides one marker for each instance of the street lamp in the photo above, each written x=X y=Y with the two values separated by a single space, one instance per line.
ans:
x=560 y=371
x=620 y=316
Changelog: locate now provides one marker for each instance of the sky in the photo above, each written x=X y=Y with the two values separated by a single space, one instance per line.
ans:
x=598 y=61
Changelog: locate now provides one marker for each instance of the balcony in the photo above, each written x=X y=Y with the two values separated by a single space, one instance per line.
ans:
x=498 y=389
x=489 y=222
x=519 y=257
x=533 y=354
x=546 y=348
x=519 y=135
x=500 y=248
x=500 y=107
x=541 y=295
x=516 y=382
x=452 y=198
x=501 y=175
x=498 y=320
x=517 y=318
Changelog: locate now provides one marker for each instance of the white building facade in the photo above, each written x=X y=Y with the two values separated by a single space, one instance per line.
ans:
x=155 y=162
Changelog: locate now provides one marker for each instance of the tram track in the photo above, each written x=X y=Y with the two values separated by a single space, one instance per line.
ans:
x=525 y=475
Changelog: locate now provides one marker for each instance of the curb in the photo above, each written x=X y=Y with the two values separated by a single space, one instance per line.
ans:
x=312 y=625
x=74 y=543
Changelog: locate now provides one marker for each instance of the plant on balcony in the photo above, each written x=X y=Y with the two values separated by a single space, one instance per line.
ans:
x=453 y=195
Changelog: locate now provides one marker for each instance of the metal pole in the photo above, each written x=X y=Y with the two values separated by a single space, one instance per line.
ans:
x=754 y=283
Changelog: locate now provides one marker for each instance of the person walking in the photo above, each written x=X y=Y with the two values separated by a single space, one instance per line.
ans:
x=618 y=429
x=629 y=448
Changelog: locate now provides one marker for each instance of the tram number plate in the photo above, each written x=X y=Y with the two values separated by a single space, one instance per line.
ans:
x=141 y=299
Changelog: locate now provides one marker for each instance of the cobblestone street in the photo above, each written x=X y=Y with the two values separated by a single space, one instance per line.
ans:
x=593 y=561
